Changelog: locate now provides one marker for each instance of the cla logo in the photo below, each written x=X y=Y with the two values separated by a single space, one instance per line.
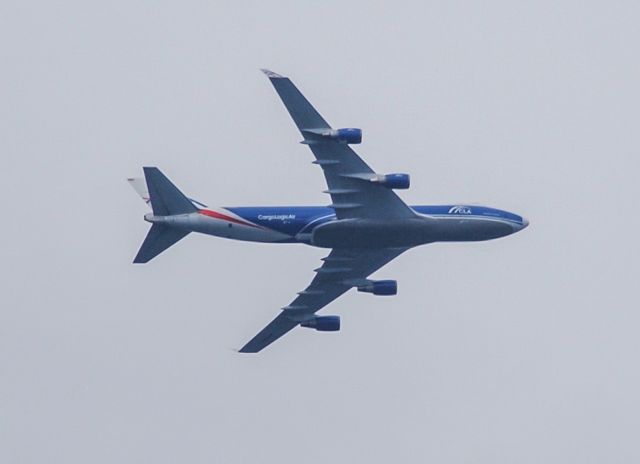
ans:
x=460 y=210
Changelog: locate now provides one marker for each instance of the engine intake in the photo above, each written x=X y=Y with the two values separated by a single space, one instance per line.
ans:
x=393 y=181
x=380 y=287
x=347 y=135
x=323 y=323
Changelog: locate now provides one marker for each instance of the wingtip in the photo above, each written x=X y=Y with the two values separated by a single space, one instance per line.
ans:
x=270 y=74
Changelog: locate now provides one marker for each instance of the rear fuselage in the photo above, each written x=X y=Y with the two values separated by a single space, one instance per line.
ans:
x=318 y=226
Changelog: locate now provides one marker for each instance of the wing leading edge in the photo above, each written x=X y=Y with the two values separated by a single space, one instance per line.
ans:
x=341 y=270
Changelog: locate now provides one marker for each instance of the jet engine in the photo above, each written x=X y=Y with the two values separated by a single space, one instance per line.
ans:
x=323 y=323
x=347 y=135
x=380 y=287
x=393 y=181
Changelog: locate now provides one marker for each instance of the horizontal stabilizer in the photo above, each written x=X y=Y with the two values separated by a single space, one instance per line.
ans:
x=166 y=199
x=159 y=238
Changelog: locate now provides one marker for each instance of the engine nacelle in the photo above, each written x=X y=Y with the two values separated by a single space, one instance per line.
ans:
x=393 y=181
x=323 y=323
x=348 y=135
x=380 y=287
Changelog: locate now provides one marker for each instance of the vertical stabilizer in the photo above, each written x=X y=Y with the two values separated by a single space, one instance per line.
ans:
x=140 y=186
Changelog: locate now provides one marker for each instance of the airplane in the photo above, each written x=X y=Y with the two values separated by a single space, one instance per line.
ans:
x=366 y=225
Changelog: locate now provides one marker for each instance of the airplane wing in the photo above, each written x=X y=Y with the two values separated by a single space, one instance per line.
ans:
x=354 y=192
x=341 y=270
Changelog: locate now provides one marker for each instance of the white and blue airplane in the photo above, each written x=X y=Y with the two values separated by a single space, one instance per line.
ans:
x=366 y=225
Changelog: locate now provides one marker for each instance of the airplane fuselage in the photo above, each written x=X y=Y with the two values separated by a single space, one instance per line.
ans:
x=319 y=226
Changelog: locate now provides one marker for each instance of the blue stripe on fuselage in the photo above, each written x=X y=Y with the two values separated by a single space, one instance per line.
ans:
x=292 y=220
x=466 y=210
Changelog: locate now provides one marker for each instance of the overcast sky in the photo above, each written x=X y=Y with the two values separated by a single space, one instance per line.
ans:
x=519 y=350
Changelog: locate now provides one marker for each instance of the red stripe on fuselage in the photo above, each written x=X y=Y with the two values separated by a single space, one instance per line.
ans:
x=224 y=217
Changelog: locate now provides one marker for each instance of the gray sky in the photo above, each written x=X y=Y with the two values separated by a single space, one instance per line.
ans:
x=520 y=350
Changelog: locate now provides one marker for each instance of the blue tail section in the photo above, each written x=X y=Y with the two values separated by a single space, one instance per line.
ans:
x=166 y=199
x=159 y=238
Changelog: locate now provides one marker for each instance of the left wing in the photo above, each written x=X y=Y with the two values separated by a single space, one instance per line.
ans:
x=342 y=270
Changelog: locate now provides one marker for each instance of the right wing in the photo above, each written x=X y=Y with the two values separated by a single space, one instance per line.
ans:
x=342 y=270
x=349 y=178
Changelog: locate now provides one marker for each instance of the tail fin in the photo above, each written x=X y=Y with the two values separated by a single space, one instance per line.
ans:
x=166 y=200
x=159 y=238
x=140 y=186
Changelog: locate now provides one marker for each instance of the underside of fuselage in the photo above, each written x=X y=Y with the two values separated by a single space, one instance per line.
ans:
x=318 y=226
x=406 y=233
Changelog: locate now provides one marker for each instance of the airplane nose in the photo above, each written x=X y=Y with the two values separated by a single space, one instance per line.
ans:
x=525 y=222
